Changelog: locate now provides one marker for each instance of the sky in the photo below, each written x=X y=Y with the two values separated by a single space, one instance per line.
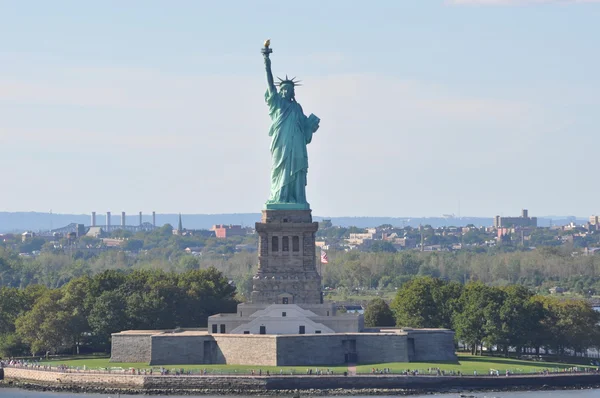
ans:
x=428 y=107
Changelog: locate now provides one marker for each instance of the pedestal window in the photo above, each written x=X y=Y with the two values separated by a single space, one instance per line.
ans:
x=285 y=244
x=296 y=243
x=275 y=244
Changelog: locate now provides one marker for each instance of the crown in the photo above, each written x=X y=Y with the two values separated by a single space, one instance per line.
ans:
x=291 y=81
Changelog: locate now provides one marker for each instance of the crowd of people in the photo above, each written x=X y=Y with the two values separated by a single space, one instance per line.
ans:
x=38 y=364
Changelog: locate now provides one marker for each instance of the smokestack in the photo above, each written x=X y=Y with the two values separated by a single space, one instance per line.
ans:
x=141 y=218
x=93 y=219
x=122 y=218
x=108 y=221
x=154 y=219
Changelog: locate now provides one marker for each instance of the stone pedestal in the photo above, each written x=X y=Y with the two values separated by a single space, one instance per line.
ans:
x=287 y=271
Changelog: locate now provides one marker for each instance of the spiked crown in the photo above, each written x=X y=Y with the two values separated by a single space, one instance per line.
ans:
x=287 y=80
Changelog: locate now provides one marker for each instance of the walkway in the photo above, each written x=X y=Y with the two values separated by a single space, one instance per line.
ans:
x=351 y=369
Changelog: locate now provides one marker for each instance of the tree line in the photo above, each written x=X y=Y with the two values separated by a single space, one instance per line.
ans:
x=83 y=313
x=538 y=269
x=510 y=317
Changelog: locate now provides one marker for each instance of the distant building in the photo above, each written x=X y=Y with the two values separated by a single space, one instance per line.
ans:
x=179 y=231
x=595 y=220
x=95 y=232
x=225 y=231
x=510 y=222
x=399 y=242
x=362 y=238
x=193 y=250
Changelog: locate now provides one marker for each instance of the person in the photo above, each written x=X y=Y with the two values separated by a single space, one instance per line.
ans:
x=290 y=132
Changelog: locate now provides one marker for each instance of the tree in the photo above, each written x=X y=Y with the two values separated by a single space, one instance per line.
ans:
x=520 y=318
x=46 y=327
x=133 y=245
x=76 y=301
x=478 y=320
x=107 y=316
x=189 y=263
x=33 y=244
x=378 y=313
x=13 y=302
x=379 y=246
x=425 y=302
x=11 y=345
x=579 y=322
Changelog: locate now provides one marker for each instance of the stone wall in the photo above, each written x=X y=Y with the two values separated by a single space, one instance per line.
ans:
x=345 y=323
x=218 y=384
x=246 y=349
x=378 y=348
x=61 y=378
x=430 y=383
x=248 y=384
x=412 y=345
x=432 y=345
x=131 y=347
x=174 y=349
x=303 y=350
x=293 y=216
x=300 y=350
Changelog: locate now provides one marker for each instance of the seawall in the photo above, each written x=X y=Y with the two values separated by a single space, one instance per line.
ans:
x=264 y=384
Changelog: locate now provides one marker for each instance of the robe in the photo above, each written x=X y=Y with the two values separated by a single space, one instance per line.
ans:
x=290 y=132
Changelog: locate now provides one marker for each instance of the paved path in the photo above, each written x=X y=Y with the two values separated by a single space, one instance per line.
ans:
x=351 y=369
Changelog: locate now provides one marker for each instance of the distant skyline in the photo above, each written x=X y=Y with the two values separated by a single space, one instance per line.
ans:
x=470 y=107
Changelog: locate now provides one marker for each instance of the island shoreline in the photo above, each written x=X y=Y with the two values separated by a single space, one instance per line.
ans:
x=374 y=385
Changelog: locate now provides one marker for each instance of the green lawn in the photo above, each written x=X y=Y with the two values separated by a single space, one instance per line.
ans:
x=467 y=364
x=103 y=363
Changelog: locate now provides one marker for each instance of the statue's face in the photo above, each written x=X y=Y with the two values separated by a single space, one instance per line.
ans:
x=286 y=91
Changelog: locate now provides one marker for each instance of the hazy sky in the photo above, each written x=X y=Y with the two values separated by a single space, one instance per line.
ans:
x=427 y=107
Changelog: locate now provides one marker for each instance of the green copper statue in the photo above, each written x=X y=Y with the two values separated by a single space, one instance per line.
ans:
x=290 y=132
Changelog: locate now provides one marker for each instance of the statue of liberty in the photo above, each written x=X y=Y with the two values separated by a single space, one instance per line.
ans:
x=290 y=132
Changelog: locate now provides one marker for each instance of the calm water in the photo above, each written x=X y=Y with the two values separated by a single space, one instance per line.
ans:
x=9 y=393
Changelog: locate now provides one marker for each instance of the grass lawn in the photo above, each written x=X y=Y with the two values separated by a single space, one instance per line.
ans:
x=103 y=363
x=467 y=364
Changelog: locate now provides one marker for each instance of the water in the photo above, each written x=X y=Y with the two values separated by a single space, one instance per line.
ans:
x=16 y=393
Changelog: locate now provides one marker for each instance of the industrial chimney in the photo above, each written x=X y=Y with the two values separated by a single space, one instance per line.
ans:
x=154 y=219
x=108 y=221
x=93 y=219
x=122 y=218
x=141 y=218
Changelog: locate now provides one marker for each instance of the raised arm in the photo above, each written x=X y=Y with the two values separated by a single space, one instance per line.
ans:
x=270 y=81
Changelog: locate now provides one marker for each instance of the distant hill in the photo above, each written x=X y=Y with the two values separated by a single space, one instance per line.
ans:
x=34 y=221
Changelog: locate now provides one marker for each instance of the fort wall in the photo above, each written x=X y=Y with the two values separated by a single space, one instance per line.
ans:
x=254 y=384
x=190 y=348
x=131 y=347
